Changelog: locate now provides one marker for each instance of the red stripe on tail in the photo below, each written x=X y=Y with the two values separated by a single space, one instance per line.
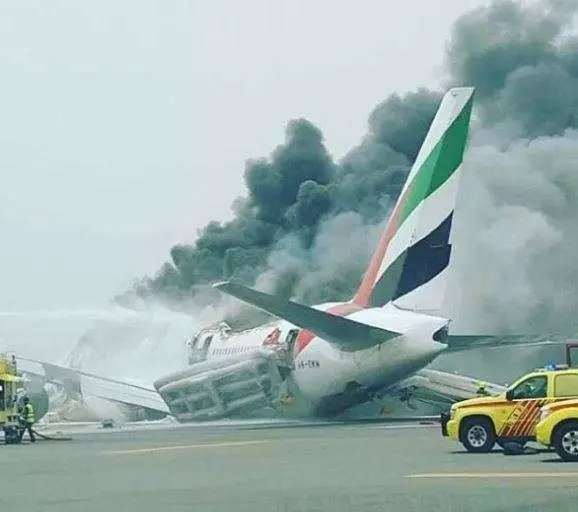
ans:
x=304 y=337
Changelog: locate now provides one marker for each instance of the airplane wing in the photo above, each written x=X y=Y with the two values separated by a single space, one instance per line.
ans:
x=457 y=343
x=347 y=334
x=93 y=385
x=441 y=389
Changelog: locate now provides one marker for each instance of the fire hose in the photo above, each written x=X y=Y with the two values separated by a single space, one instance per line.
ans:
x=50 y=438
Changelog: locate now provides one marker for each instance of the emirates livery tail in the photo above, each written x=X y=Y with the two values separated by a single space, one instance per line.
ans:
x=410 y=263
x=409 y=266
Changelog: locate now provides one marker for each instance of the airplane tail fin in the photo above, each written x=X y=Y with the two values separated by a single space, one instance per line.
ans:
x=409 y=265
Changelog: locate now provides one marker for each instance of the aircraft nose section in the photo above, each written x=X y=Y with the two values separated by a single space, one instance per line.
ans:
x=429 y=351
x=427 y=342
x=441 y=334
x=436 y=342
x=437 y=348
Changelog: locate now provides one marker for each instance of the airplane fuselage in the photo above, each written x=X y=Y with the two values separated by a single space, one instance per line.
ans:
x=323 y=371
x=373 y=368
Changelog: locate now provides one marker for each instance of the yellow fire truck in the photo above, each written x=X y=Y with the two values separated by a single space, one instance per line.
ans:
x=511 y=417
x=10 y=382
x=558 y=428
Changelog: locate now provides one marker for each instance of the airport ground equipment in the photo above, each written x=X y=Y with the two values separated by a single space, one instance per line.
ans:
x=10 y=383
x=558 y=428
x=512 y=416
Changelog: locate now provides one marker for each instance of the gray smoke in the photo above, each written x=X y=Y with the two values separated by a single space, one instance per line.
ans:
x=307 y=225
x=515 y=250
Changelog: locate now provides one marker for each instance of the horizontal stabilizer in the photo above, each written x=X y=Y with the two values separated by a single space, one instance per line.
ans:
x=347 y=334
x=457 y=343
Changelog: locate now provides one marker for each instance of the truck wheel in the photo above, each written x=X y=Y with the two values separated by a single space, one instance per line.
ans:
x=477 y=435
x=566 y=441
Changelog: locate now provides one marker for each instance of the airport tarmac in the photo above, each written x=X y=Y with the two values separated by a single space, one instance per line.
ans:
x=249 y=467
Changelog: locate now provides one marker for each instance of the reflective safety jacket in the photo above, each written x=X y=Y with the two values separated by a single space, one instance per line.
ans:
x=29 y=416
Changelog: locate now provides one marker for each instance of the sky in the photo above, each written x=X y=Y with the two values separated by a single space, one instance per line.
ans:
x=125 y=125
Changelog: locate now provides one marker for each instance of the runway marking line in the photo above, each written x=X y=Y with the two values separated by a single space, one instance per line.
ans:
x=153 y=449
x=494 y=475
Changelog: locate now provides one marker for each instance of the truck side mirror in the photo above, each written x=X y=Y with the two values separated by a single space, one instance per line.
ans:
x=510 y=394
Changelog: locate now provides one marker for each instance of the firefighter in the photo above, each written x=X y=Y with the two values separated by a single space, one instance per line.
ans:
x=482 y=391
x=285 y=399
x=28 y=419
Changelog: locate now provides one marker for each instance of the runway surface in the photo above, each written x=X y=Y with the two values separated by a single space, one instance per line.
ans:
x=252 y=468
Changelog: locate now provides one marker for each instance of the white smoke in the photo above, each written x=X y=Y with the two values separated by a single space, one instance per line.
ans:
x=138 y=346
x=138 y=349
x=515 y=238
x=342 y=248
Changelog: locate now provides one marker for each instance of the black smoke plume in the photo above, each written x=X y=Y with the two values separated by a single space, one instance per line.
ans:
x=306 y=225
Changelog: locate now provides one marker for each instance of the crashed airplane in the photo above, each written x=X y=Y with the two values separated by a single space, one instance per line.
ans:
x=335 y=356
x=324 y=360
x=43 y=379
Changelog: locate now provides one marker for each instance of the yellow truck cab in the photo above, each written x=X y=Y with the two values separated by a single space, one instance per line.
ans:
x=9 y=384
x=558 y=428
x=480 y=423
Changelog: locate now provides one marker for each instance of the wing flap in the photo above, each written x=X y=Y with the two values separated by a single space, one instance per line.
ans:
x=347 y=334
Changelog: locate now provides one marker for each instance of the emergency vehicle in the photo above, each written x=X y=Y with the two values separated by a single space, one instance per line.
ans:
x=558 y=428
x=10 y=382
x=511 y=417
